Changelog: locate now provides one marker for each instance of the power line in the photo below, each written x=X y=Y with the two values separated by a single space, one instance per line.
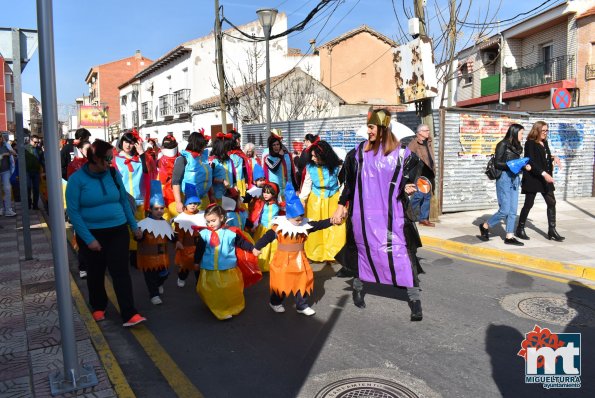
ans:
x=473 y=24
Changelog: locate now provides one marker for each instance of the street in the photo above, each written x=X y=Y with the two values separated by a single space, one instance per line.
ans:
x=466 y=345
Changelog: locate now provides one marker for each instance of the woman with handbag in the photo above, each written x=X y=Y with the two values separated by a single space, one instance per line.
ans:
x=507 y=185
x=539 y=180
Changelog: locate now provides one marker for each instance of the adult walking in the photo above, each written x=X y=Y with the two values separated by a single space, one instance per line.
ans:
x=191 y=167
x=277 y=164
x=507 y=185
x=420 y=202
x=7 y=167
x=98 y=208
x=539 y=180
x=385 y=239
x=35 y=164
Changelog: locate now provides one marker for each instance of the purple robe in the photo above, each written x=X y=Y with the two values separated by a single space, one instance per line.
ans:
x=379 y=237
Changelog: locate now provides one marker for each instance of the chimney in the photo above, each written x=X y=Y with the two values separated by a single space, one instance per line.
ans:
x=312 y=44
x=138 y=55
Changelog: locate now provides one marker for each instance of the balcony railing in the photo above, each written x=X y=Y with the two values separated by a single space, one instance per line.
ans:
x=165 y=105
x=556 y=69
x=182 y=101
x=590 y=71
x=147 y=110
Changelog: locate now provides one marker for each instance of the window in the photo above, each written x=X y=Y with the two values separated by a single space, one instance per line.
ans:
x=185 y=135
x=466 y=77
x=124 y=100
x=547 y=54
x=8 y=83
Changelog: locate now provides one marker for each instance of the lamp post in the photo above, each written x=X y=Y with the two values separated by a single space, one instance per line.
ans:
x=267 y=16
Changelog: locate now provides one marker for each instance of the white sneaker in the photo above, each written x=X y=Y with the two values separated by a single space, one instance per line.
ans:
x=83 y=274
x=160 y=289
x=307 y=311
x=9 y=213
x=277 y=308
x=156 y=300
x=181 y=283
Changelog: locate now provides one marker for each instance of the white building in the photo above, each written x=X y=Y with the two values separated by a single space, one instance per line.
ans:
x=157 y=100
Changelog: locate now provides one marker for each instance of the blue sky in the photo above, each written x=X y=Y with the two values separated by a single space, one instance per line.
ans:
x=89 y=33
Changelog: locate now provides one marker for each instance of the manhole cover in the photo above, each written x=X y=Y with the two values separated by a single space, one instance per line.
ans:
x=549 y=307
x=367 y=387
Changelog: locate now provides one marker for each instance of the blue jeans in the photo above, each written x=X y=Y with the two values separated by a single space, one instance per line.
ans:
x=421 y=200
x=507 y=190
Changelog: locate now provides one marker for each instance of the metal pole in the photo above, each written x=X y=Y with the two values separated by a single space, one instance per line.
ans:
x=69 y=381
x=426 y=108
x=18 y=105
x=220 y=70
x=267 y=34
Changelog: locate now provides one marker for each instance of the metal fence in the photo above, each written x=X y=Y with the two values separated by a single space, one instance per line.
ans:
x=560 y=68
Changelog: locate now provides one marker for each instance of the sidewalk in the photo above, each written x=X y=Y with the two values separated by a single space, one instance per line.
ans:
x=459 y=233
x=29 y=327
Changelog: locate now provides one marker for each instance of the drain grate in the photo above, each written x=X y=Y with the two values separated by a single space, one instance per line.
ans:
x=549 y=307
x=368 y=387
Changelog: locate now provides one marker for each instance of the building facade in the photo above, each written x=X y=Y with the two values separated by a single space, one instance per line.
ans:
x=7 y=117
x=521 y=68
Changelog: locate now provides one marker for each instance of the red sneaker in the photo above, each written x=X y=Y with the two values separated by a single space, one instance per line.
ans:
x=98 y=315
x=135 y=320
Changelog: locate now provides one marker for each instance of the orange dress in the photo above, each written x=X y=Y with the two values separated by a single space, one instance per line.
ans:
x=183 y=224
x=290 y=271
x=153 y=249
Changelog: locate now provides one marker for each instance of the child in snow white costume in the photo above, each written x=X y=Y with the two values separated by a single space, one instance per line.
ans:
x=183 y=224
x=153 y=248
x=220 y=284
x=290 y=271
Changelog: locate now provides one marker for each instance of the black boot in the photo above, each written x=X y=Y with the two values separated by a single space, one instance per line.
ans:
x=416 y=314
x=552 y=234
x=358 y=298
x=520 y=231
x=484 y=233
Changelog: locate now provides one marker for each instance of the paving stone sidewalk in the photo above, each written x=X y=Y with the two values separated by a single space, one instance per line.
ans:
x=29 y=326
x=575 y=221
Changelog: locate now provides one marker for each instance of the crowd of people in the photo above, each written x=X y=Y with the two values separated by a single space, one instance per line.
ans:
x=226 y=215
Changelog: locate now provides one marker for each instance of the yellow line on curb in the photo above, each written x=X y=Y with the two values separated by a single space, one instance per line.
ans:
x=510 y=268
x=540 y=264
x=178 y=381
x=106 y=356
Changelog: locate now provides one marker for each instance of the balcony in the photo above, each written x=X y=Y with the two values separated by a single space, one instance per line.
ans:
x=165 y=106
x=589 y=71
x=182 y=101
x=147 y=111
x=556 y=69
x=490 y=85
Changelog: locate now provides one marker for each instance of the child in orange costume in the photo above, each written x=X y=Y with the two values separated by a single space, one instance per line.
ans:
x=183 y=224
x=153 y=248
x=290 y=270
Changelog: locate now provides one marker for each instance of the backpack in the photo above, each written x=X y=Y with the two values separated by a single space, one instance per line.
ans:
x=491 y=171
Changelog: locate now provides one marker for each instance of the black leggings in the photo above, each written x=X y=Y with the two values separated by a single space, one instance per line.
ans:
x=550 y=201
x=113 y=256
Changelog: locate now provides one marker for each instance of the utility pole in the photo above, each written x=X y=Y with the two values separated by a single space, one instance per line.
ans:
x=220 y=71
x=452 y=35
x=426 y=109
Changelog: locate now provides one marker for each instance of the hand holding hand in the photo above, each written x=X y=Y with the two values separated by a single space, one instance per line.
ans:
x=410 y=189
x=94 y=246
x=256 y=252
x=338 y=215
x=138 y=233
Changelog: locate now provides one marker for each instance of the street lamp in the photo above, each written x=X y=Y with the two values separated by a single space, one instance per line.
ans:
x=267 y=16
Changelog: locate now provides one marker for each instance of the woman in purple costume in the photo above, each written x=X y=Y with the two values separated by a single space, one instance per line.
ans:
x=382 y=239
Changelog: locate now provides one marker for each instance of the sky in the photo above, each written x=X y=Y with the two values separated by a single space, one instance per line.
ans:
x=89 y=33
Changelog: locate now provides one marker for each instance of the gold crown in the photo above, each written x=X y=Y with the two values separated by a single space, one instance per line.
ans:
x=379 y=118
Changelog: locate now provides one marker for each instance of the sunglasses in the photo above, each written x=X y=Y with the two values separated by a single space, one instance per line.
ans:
x=108 y=158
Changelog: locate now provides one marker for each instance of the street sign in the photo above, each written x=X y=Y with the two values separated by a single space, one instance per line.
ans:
x=28 y=44
x=561 y=98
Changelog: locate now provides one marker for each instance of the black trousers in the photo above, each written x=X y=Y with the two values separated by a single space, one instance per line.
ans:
x=550 y=201
x=113 y=256
x=300 y=302
x=154 y=279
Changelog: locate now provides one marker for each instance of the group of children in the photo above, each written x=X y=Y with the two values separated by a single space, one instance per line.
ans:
x=246 y=223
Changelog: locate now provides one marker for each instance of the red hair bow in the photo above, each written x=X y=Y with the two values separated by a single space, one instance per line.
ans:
x=171 y=137
x=228 y=136
x=136 y=135
x=202 y=132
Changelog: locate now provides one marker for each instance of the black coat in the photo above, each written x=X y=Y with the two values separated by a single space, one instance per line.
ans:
x=540 y=159
x=505 y=151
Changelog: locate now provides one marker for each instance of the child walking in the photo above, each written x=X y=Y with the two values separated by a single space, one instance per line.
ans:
x=183 y=224
x=290 y=271
x=264 y=210
x=220 y=284
x=153 y=248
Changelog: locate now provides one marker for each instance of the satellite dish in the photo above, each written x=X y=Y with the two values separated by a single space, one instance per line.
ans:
x=509 y=61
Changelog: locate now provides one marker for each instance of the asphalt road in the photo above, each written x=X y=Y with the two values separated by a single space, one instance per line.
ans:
x=466 y=346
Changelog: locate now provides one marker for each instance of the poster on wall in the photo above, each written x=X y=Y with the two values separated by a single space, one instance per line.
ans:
x=90 y=116
x=479 y=135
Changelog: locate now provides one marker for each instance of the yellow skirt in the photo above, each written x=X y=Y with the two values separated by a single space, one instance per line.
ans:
x=266 y=254
x=170 y=212
x=324 y=245
x=241 y=187
x=222 y=291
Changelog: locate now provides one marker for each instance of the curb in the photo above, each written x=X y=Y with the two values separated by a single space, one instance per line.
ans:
x=522 y=260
